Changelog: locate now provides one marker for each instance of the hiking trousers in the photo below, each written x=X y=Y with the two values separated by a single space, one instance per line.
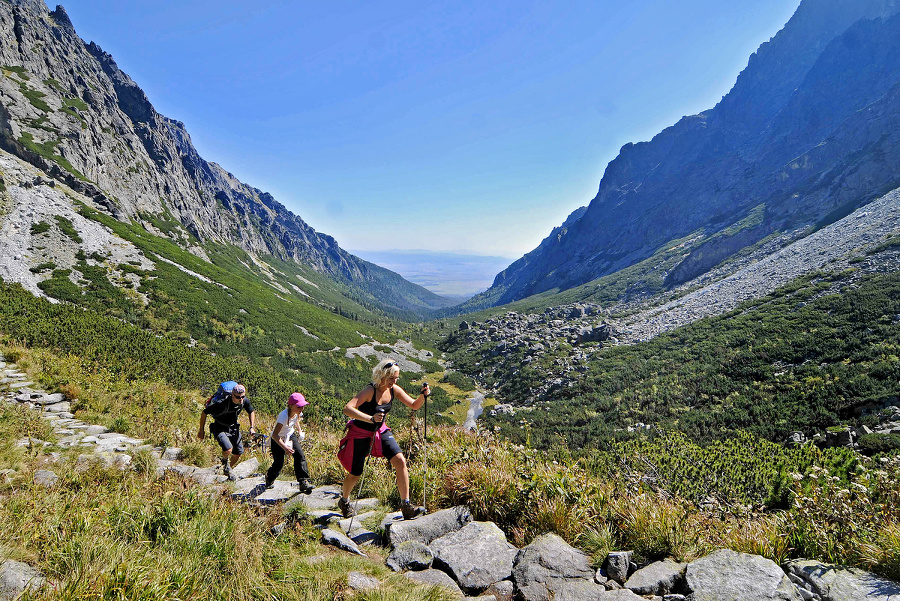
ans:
x=301 y=469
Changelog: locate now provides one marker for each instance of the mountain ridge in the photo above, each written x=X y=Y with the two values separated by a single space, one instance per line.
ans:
x=66 y=107
x=708 y=171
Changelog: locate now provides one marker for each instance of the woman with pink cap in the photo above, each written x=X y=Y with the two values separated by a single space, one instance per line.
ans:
x=286 y=437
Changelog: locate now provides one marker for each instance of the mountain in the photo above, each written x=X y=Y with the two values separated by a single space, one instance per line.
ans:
x=807 y=134
x=67 y=108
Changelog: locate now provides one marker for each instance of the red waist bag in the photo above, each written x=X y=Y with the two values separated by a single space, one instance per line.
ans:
x=354 y=432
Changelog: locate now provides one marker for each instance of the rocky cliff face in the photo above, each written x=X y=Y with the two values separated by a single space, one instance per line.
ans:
x=806 y=134
x=66 y=107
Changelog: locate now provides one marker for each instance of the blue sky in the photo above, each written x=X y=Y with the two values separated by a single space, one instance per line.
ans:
x=448 y=126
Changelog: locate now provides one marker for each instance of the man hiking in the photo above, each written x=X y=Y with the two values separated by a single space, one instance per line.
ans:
x=225 y=428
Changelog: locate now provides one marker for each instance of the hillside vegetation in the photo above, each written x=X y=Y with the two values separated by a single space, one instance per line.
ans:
x=820 y=352
x=102 y=533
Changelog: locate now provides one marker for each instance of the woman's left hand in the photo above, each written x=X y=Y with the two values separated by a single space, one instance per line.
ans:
x=426 y=390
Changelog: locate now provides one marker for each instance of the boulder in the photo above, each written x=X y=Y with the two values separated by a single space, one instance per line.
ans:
x=837 y=583
x=361 y=582
x=580 y=590
x=246 y=468
x=16 y=578
x=476 y=556
x=427 y=528
x=52 y=399
x=659 y=578
x=434 y=577
x=410 y=555
x=727 y=575
x=618 y=565
x=550 y=568
x=45 y=478
x=502 y=591
x=170 y=454
x=339 y=540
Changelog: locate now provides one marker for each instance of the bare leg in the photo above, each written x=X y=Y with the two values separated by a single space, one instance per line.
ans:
x=226 y=455
x=347 y=487
x=235 y=459
x=399 y=463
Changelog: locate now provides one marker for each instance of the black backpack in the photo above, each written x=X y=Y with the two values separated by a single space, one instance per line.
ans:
x=221 y=394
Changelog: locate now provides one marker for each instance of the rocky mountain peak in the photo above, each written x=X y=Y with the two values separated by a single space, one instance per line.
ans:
x=821 y=89
x=62 y=18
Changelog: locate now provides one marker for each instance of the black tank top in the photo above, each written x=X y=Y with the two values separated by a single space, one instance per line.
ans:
x=370 y=407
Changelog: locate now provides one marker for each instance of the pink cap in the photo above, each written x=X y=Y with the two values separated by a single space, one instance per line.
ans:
x=297 y=400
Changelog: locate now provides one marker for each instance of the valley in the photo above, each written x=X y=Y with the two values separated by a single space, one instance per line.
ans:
x=701 y=361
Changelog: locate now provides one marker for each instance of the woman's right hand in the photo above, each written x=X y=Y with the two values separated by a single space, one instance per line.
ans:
x=378 y=417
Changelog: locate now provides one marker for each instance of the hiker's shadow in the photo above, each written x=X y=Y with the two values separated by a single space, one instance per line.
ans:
x=251 y=494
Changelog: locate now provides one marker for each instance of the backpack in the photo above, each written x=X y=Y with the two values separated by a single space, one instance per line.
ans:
x=221 y=394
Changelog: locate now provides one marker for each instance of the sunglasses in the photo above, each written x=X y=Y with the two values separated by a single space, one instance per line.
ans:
x=239 y=396
x=389 y=365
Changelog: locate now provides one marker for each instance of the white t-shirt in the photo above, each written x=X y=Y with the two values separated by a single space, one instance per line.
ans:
x=287 y=428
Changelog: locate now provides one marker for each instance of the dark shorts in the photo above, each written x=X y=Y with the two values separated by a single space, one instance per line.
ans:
x=228 y=438
x=389 y=448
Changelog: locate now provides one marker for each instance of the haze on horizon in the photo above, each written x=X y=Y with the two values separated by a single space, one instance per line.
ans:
x=467 y=127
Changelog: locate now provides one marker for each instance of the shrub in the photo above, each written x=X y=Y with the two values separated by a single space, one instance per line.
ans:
x=144 y=462
x=66 y=227
x=197 y=453
x=39 y=228
x=120 y=424
x=463 y=382
x=872 y=444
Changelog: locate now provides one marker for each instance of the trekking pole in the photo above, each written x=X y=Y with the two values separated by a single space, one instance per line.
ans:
x=425 y=451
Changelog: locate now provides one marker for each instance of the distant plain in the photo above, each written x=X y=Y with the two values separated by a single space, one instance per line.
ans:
x=455 y=275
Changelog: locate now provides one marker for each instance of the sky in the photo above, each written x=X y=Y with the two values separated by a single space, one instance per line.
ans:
x=468 y=126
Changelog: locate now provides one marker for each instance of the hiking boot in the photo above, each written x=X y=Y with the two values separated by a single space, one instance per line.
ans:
x=346 y=508
x=410 y=511
x=270 y=484
x=226 y=469
x=305 y=487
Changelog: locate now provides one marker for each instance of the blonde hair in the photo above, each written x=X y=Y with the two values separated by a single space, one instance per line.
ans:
x=384 y=370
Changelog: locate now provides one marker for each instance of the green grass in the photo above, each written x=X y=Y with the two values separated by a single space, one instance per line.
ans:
x=18 y=70
x=67 y=228
x=46 y=150
x=35 y=97
x=68 y=103
x=55 y=85
x=100 y=531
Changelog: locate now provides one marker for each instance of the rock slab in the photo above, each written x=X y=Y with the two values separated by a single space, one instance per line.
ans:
x=476 y=556
x=727 y=575
x=16 y=578
x=550 y=568
x=427 y=528
x=837 y=583
x=659 y=578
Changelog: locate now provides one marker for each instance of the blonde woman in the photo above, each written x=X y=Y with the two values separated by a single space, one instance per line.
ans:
x=368 y=432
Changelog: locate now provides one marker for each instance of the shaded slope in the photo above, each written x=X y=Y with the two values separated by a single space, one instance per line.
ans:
x=822 y=89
